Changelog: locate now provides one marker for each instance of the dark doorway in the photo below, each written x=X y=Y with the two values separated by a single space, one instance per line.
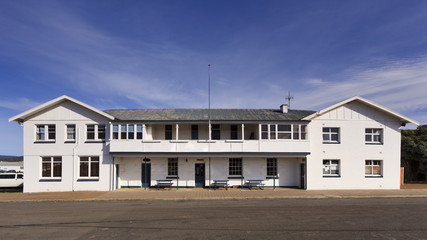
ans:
x=302 y=173
x=117 y=176
x=146 y=175
x=199 y=175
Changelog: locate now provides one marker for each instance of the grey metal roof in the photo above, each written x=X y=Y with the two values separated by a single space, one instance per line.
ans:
x=153 y=115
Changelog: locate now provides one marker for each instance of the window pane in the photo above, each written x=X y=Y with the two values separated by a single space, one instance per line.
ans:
x=326 y=130
x=285 y=127
x=368 y=170
x=139 y=131
x=101 y=131
x=115 y=131
x=168 y=132
x=123 y=131
x=172 y=166
x=264 y=135
x=46 y=168
x=264 y=127
x=94 y=167
x=368 y=138
x=52 y=133
x=334 y=137
x=326 y=137
x=334 y=130
x=71 y=132
x=376 y=170
x=90 y=131
x=194 y=132
x=40 y=132
x=57 y=166
x=131 y=131
x=284 y=136
x=84 y=167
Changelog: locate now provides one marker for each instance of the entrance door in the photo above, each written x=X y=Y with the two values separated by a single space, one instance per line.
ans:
x=302 y=174
x=199 y=175
x=146 y=174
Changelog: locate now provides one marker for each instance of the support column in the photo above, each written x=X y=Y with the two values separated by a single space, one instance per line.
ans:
x=210 y=131
x=243 y=132
x=144 y=131
x=176 y=131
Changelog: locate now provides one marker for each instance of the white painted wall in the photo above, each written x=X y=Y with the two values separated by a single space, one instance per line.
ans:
x=352 y=119
x=60 y=115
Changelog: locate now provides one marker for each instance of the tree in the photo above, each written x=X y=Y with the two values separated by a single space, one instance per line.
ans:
x=414 y=153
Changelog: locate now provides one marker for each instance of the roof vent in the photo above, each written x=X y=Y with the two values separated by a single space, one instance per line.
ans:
x=284 y=108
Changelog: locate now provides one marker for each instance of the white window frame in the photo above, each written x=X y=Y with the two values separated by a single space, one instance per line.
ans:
x=89 y=162
x=277 y=132
x=371 y=163
x=329 y=167
x=330 y=133
x=66 y=133
x=46 y=133
x=96 y=133
x=52 y=163
x=373 y=134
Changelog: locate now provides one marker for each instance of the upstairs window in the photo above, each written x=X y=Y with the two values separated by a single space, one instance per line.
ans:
x=45 y=132
x=331 y=168
x=95 y=132
x=233 y=132
x=71 y=132
x=131 y=131
x=123 y=131
x=331 y=135
x=235 y=167
x=216 y=132
x=194 y=132
x=51 y=167
x=285 y=131
x=373 y=136
x=115 y=131
x=168 y=132
x=271 y=167
x=101 y=131
x=90 y=132
x=139 y=131
x=172 y=166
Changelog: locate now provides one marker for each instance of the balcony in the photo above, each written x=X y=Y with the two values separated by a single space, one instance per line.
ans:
x=249 y=142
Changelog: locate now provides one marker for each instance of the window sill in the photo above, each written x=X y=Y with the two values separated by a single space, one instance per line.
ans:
x=88 y=180
x=331 y=142
x=151 y=141
x=172 y=177
x=206 y=141
x=271 y=177
x=50 y=179
x=95 y=141
x=70 y=141
x=373 y=143
x=331 y=176
x=234 y=141
x=45 y=141
x=235 y=177
x=178 y=141
x=373 y=176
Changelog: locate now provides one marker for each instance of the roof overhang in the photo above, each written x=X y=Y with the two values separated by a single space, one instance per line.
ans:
x=25 y=115
x=403 y=119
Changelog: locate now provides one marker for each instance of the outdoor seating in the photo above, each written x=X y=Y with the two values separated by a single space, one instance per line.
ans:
x=220 y=183
x=164 y=183
x=254 y=183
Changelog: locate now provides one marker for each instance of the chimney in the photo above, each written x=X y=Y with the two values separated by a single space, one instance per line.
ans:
x=284 y=108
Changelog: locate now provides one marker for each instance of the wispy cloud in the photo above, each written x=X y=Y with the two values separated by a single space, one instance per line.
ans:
x=20 y=104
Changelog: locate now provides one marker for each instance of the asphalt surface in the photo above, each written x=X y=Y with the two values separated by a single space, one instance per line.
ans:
x=370 y=218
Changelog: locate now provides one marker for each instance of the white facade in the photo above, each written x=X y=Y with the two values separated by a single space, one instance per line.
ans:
x=66 y=149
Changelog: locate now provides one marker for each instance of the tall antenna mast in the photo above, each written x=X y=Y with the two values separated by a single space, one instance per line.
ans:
x=289 y=98
x=209 y=116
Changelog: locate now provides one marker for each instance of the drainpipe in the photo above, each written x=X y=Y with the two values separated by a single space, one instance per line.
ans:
x=74 y=161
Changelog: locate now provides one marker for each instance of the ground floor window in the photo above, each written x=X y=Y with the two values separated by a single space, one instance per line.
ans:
x=89 y=167
x=172 y=166
x=331 y=168
x=51 y=167
x=271 y=167
x=235 y=167
x=373 y=168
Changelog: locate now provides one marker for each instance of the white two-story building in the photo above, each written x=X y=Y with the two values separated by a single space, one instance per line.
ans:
x=71 y=146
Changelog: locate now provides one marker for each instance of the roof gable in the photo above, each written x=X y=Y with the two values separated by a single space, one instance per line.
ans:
x=403 y=119
x=25 y=115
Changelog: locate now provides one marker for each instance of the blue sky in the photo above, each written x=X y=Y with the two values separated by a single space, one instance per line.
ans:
x=154 y=54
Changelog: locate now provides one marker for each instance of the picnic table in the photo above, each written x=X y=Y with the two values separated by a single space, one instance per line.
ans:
x=254 y=183
x=163 y=183
x=220 y=183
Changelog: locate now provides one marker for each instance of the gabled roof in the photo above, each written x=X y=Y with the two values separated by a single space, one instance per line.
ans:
x=402 y=119
x=153 y=115
x=23 y=116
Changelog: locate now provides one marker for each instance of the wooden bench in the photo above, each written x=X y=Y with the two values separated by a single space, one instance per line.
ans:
x=163 y=183
x=254 y=183
x=219 y=184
